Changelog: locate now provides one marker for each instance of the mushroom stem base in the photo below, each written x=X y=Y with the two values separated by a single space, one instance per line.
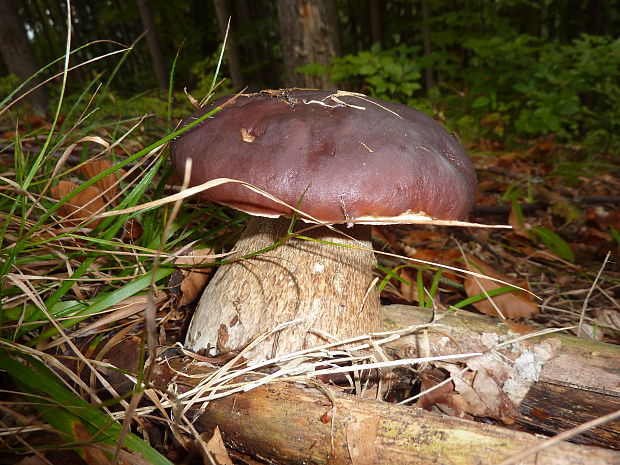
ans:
x=328 y=288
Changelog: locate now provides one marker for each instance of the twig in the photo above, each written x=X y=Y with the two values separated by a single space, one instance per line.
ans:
x=585 y=302
x=562 y=437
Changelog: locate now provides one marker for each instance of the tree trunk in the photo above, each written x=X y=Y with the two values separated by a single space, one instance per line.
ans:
x=426 y=39
x=327 y=287
x=308 y=29
x=17 y=54
x=154 y=48
x=375 y=22
x=257 y=81
x=234 y=66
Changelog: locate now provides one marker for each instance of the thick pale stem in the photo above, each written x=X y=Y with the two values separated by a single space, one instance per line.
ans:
x=328 y=288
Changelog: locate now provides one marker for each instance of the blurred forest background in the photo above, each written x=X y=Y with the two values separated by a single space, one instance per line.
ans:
x=506 y=72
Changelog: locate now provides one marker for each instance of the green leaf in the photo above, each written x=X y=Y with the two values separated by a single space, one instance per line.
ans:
x=98 y=304
x=615 y=235
x=482 y=296
x=481 y=101
x=554 y=242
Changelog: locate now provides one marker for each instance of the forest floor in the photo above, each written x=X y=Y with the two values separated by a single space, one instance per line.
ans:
x=562 y=250
x=565 y=218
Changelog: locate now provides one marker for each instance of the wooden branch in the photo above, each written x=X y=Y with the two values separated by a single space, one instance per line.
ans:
x=286 y=423
x=579 y=363
x=580 y=381
x=290 y=423
x=529 y=208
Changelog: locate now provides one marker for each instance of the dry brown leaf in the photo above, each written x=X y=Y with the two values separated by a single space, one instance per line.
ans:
x=520 y=328
x=109 y=184
x=441 y=257
x=217 y=449
x=132 y=230
x=443 y=397
x=92 y=455
x=609 y=317
x=517 y=227
x=193 y=280
x=480 y=388
x=408 y=292
x=514 y=304
x=82 y=206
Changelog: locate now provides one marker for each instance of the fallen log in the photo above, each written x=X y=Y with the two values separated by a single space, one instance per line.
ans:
x=293 y=422
x=580 y=380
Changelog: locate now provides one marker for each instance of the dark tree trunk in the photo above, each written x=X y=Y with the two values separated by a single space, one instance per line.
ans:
x=41 y=24
x=375 y=22
x=154 y=48
x=245 y=20
x=426 y=39
x=309 y=35
x=593 y=18
x=234 y=66
x=17 y=54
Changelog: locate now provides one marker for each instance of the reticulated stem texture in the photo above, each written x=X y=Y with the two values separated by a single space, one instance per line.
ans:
x=328 y=287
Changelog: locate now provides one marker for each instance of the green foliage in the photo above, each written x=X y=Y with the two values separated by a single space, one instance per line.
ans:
x=546 y=88
x=8 y=84
x=391 y=74
x=515 y=85
x=615 y=234
x=550 y=239
x=35 y=228
x=555 y=243
x=425 y=296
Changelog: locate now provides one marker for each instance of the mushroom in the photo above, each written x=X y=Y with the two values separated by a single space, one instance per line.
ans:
x=341 y=158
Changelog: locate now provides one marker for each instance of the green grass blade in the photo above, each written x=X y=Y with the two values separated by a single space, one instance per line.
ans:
x=68 y=407
x=483 y=296
x=99 y=303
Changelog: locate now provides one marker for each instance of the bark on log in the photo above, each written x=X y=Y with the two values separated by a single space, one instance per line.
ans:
x=578 y=363
x=580 y=382
x=288 y=423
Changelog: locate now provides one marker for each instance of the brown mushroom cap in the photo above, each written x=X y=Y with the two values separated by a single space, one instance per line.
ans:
x=345 y=154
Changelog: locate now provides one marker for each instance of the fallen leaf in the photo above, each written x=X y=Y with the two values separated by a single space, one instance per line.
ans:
x=441 y=257
x=217 y=449
x=192 y=280
x=109 y=184
x=444 y=397
x=92 y=455
x=408 y=292
x=82 y=206
x=132 y=230
x=513 y=304
x=480 y=388
x=520 y=328
x=518 y=227
x=607 y=317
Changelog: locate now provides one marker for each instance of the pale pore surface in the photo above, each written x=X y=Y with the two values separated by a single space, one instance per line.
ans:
x=328 y=285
